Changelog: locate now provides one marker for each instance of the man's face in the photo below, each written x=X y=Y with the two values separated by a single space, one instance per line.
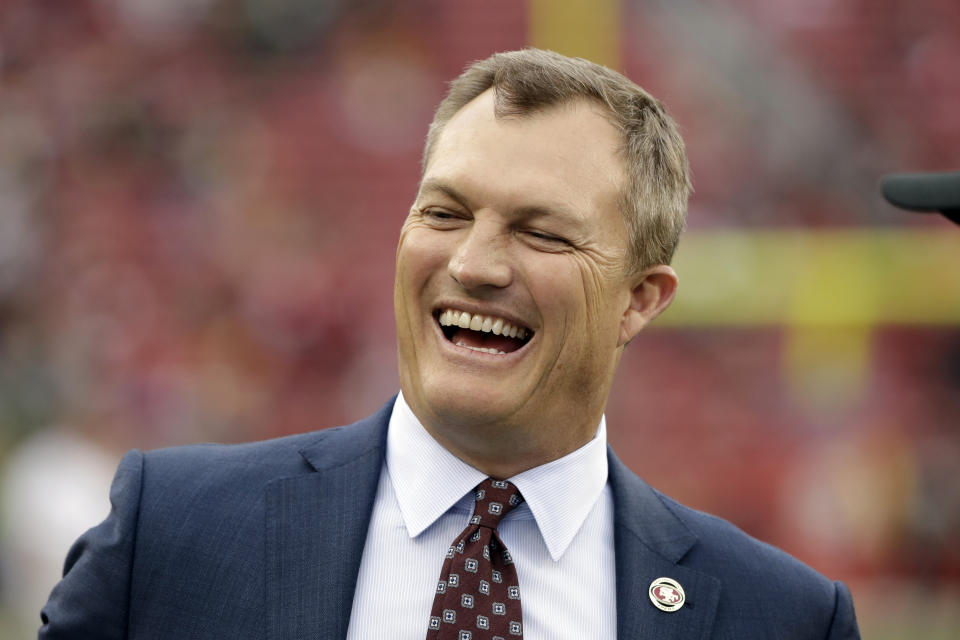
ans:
x=515 y=226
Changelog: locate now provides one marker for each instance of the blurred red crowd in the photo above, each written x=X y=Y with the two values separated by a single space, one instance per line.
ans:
x=200 y=201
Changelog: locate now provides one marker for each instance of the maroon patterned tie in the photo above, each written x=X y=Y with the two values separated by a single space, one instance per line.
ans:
x=478 y=595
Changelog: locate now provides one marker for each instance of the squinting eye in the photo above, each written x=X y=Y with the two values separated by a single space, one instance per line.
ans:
x=439 y=216
x=546 y=237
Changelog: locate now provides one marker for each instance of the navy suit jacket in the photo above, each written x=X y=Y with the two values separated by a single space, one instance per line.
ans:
x=264 y=540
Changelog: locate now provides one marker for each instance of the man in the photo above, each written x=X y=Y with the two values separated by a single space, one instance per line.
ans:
x=552 y=196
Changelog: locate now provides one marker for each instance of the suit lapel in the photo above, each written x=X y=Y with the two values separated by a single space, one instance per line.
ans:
x=316 y=526
x=650 y=543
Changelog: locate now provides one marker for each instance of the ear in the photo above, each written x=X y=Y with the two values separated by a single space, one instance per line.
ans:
x=653 y=292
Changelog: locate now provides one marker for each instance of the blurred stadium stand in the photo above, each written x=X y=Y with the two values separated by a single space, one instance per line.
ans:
x=200 y=200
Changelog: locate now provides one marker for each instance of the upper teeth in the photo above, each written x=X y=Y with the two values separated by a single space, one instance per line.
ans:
x=477 y=322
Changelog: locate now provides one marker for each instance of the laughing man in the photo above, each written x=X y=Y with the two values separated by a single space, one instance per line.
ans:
x=482 y=501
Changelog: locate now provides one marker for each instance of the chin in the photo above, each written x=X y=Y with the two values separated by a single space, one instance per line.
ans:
x=467 y=403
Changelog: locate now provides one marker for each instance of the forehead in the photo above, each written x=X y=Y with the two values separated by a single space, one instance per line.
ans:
x=568 y=154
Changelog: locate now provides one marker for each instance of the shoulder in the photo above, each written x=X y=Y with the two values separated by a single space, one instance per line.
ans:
x=262 y=461
x=703 y=541
x=762 y=582
x=204 y=506
x=187 y=489
x=758 y=584
x=209 y=461
x=723 y=546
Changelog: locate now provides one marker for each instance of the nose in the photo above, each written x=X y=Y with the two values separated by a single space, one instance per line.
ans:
x=480 y=258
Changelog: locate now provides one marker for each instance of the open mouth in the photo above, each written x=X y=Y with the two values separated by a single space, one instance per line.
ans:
x=488 y=334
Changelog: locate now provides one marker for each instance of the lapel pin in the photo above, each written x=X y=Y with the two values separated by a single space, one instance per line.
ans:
x=667 y=594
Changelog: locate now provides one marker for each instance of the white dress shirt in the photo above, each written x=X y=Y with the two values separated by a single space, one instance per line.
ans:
x=561 y=538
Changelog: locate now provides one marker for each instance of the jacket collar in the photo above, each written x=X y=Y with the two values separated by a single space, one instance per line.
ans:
x=317 y=527
x=343 y=445
x=651 y=541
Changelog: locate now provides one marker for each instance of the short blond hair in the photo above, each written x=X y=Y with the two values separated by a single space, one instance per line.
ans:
x=654 y=201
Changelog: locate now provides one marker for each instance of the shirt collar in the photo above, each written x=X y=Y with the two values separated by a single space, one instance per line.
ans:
x=428 y=481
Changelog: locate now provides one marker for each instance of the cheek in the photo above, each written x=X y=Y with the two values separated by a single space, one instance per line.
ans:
x=416 y=262
x=420 y=253
x=587 y=336
x=599 y=290
x=576 y=294
x=413 y=269
x=409 y=266
x=567 y=300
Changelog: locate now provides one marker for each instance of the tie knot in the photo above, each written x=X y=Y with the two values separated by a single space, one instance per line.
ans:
x=495 y=499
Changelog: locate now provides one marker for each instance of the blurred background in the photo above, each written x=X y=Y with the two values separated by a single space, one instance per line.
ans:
x=200 y=200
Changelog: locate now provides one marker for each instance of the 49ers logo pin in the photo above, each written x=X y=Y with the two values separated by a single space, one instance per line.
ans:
x=667 y=594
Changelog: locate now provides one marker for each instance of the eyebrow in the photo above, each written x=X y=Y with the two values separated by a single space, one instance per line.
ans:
x=444 y=188
x=526 y=211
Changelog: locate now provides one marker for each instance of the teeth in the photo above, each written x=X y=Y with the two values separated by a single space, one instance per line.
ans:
x=486 y=324
x=483 y=349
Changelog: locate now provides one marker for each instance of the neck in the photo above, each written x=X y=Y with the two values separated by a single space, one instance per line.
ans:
x=502 y=451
